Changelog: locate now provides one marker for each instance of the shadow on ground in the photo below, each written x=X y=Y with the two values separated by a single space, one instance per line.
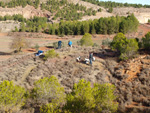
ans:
x=5 y=53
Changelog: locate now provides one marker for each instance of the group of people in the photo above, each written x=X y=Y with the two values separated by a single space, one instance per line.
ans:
x=91 y=58
x=60 y=44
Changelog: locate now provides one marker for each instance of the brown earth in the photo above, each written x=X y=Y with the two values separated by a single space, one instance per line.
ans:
x=27 y=12
x=131 y=78
x=47 y=40
x=142 y=14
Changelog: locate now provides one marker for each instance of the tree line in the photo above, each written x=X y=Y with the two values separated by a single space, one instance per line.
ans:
x=105 y=25
x=109 y=25
x=108 y=4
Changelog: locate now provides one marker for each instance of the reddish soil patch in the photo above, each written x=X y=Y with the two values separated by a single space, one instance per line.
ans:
x=3 y=34
x=31 y=50
x=135 y=105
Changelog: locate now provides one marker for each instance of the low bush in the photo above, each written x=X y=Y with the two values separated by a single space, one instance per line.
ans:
x=12 y=97
x=86 y=40
x=48 y=90
x=50 y=54
x=126 y=47
x=146 y=41
x=85 y=99
x=130 y=49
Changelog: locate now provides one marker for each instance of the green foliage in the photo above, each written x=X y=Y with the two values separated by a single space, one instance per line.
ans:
x=85 y=99
x=149 y=21
x=139 y=43
x=11 y=96
x=146 y=41
x=49 y=93
x=22 y=27
x=16 y=29
x=81 y=99
x=126 y=47
x=65 y=10
x=110 y=10
x=37 y=2
x=86 y=40
x=130 y=49
x=50 y=54
x=104 y=98
x=119 y=42
x=129 y=24
x=108 y=4
x=99 y=10
x=108 y=25
x=50 y=108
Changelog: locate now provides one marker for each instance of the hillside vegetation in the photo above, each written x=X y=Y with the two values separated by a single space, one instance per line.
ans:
x=108 y=25
x=115 y=4
x=59 y=9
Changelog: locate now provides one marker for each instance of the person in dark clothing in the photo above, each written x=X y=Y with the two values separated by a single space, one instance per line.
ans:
x=91 y=58
x=59 y=44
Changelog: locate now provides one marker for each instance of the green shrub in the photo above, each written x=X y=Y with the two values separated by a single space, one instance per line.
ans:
x=99 y=10
x=50 y=54
x=119 y=42
x=130 y=49
x=49 y=91
x=86 y=40
x=148 y=20
x=146 y=41
x=81 y=99
x=126 y=47
x=50 y=108
x=104 y=98
x=110 y=10
x=139 y=43
x=12 y=97
x=85 y=99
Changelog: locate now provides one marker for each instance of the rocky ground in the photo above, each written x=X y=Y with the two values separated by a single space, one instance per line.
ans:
x=131 y=78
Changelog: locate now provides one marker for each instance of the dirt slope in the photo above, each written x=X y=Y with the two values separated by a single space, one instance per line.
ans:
x=27 y=12
x=130 y=78
x=142 y=14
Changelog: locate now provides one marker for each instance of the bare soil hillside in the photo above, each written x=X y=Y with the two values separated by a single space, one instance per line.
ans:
x=27 y=12
x=142 y=14
x=131 y=78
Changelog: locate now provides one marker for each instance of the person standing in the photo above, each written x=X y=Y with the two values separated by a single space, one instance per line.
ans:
x=59 y=44
x=91 y=58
